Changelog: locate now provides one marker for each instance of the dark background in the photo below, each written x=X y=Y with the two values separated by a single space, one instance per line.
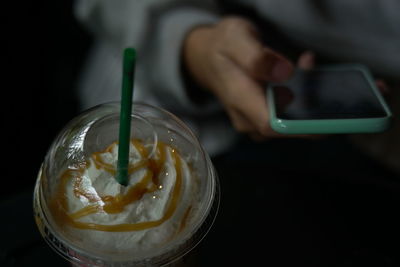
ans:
x=283 y=203
x=43 y=48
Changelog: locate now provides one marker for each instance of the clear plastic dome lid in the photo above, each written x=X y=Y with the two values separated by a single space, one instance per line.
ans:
x=167 y=207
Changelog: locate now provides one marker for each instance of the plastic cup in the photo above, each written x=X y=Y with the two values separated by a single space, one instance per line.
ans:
x=93 y=131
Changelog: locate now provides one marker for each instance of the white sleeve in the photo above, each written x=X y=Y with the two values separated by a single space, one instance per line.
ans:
x=156 y=28
x=121 y=22
x=167 y=77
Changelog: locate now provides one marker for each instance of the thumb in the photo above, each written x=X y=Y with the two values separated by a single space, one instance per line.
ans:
x=258 y=61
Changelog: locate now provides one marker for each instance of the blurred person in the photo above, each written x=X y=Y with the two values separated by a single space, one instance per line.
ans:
x=205 y=66
x=208 y=63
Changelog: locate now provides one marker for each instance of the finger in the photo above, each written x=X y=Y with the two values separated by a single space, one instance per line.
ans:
x=255 y=59
x=240 y=123
x=283 y=96
x=306 y=60
x=248 y=100
x=382 y=86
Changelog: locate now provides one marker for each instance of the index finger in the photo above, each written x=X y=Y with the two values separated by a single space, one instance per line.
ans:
x=248 y=98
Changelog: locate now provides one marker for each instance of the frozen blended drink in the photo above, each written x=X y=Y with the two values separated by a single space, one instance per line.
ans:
x=166 y=208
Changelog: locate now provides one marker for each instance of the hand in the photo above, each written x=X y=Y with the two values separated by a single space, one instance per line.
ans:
x=229 y=60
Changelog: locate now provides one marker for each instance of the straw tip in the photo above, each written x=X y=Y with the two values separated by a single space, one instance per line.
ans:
x=122 y=178
x=130 y=53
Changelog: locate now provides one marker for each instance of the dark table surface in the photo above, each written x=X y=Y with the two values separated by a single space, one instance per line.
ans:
x=283 y=203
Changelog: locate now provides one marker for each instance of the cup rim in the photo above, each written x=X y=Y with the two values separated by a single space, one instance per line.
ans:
x=200 y=228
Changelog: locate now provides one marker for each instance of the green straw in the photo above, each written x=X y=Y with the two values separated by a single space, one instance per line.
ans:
x=125 y=115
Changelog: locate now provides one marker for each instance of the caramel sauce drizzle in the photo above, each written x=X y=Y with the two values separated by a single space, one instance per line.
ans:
x=116 y=204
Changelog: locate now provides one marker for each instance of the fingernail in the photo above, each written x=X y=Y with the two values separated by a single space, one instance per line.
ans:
x=281 y=71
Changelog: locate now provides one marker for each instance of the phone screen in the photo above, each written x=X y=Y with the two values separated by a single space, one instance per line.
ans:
x=322 y=94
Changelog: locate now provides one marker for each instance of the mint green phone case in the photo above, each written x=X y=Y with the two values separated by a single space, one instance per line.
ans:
x=332 y=126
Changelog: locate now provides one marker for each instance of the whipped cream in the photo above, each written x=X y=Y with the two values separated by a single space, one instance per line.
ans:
x=150 y=211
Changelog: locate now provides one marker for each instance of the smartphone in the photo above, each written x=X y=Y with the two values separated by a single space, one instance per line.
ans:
x=327 y=100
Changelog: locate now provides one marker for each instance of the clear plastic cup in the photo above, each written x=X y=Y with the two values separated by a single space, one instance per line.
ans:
x=93 y=131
